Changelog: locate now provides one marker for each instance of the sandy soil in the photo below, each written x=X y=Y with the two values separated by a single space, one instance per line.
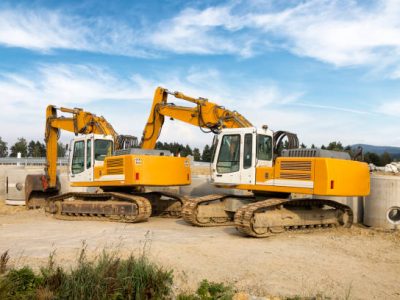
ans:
x=359 y=261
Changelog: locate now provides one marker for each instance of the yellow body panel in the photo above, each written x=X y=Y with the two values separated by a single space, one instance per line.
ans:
x=318 y=176
x=337 y=177
x=141 y=170
x=264 y=173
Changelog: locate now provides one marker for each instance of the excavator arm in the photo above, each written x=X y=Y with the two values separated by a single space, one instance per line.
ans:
x=80 y=122
x=210 y=117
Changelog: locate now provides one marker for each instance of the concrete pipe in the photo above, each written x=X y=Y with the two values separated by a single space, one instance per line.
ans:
x=382 y=206
x=393 y=215
x=15 y=184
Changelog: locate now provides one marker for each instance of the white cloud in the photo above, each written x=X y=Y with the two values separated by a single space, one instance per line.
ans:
x=26 y=95
x=194 y=31
x=46 y=30
x=125 y=102
x=342 y=33
x=339 y=32
x=333 y=108
x=391 y=108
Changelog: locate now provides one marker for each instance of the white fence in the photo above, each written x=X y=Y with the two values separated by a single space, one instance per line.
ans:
x=30 y=161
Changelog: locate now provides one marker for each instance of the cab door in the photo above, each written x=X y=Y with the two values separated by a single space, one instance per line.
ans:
x=234 y=161
x=248 y=161
x=81 y=159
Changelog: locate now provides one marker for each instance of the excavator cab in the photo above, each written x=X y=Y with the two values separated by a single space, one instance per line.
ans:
x=88 y=152
x=237 y=154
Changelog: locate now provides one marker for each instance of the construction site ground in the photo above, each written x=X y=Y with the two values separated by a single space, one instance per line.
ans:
x=360 y=262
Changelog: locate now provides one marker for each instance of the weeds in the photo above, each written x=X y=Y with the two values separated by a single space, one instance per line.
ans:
x=4 y=258
x=210 y=291
x=106 y=277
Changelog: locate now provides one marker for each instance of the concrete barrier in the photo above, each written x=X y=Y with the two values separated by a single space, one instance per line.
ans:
x=385 y=194
x=14 y=183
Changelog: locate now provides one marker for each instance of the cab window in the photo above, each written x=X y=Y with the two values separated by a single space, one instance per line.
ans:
x=228 y=158
x=247 y=150
x=102 y=148
x=89 y=154
x=264 y=147
x=78 y=158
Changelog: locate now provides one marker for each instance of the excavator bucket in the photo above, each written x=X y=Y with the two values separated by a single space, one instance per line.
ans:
x=37 y=191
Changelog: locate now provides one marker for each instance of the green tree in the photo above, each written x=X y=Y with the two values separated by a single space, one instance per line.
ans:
x=61 y=150
x=207 y=153
x=36 y=149
x=42 y=148
x=303 y=146
x=336 y=146
x=19 y=146
x=32 y=149
x=313 y=146
x=386 y=158
x=3 y=148
x=185 y=151
x=372 y=158
x=196 y=154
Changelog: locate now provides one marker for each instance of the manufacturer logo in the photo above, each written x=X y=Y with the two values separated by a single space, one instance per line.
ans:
x=138 y=161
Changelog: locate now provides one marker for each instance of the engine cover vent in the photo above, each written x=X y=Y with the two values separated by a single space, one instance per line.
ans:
x=304 y=152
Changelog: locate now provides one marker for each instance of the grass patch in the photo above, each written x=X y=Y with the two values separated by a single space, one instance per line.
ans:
x=4 y=258
x=105 y=277
x=210 y=291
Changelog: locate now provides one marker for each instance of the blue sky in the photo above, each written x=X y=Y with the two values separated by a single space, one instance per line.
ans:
x=327 y=70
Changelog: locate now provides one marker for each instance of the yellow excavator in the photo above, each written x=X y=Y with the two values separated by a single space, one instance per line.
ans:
x=102 y=158
x=245 y=159
x=251 y=159
x=116 y=165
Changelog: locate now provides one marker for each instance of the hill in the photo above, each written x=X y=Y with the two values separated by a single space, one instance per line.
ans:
x=393 y=151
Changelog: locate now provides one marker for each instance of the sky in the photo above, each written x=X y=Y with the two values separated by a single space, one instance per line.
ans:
x=326 y=70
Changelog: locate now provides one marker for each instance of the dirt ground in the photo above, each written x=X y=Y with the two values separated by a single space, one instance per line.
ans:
x=359 y=262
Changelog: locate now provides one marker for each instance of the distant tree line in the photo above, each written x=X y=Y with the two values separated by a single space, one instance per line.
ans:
x=368 y=157
x=38 y=149
x=182 y=150
x=31 y=149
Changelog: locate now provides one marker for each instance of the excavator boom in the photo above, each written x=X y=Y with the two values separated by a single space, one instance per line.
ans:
x=207 y=115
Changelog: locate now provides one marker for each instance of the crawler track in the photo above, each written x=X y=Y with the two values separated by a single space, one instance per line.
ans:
x=169 y=207
x=245 y=217
x=117 y=207
x=190 y=212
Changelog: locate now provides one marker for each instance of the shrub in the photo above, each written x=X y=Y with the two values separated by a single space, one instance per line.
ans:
x=106 y=277
x=210 y=291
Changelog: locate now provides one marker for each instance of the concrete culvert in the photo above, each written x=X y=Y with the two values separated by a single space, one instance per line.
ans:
x=15 y=184
x=393 y=215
